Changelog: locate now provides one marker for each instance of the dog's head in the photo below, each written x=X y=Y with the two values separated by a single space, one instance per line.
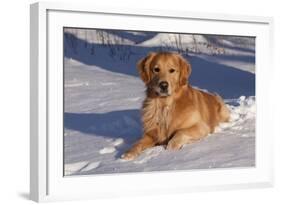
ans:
x=164 y=72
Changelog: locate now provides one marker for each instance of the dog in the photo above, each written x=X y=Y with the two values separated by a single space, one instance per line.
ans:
x=174 y=113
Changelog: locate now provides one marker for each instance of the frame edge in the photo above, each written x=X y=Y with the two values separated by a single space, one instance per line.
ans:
x=38 y=104
x=38 y=175
x=34 y=175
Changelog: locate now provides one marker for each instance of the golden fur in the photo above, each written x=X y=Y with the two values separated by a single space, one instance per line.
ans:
x=181 y=114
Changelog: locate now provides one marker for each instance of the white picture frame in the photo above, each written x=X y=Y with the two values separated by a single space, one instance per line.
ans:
x=46 y=175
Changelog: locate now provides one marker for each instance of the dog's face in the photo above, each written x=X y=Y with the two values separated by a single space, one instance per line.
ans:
x=163 y=73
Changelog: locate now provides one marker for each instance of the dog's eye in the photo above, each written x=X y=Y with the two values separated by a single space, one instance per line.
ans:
x=172 y=70
x=156 y=70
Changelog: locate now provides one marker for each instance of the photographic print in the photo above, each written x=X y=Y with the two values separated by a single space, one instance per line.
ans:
x=142 y=101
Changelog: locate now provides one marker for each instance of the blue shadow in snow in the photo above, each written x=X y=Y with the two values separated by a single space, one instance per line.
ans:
x=123 y=123
x=224 y=80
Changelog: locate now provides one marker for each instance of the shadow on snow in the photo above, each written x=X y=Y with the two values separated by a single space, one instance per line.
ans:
x=124 y=123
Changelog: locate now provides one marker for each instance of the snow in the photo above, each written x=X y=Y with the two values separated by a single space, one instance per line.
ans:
x=107 y=150
x=80 y=167
x=118 y=142
x=149 y=154
x=103 y=97
x=173 y=38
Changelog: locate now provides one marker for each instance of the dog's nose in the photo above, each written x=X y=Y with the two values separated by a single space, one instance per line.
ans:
x=163 y=85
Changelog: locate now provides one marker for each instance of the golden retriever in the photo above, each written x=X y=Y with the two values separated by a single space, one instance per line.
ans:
x=174 y=113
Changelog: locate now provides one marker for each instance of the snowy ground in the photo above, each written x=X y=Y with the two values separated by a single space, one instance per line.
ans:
x=103 y=97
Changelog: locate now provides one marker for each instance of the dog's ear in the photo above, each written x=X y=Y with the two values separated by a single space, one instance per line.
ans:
x=185 y=70
x=143 y=67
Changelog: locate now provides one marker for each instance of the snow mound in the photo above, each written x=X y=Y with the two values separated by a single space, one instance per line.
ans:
x=174 y=39
x=240 y=115
x=245 y=110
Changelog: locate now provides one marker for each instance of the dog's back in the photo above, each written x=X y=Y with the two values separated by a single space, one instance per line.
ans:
x=211 y=107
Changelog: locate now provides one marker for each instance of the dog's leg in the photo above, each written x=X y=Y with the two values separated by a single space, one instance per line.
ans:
x=145 y=142
x=188 y=135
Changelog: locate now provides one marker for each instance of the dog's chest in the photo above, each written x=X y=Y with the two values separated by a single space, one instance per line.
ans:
x=157 y=115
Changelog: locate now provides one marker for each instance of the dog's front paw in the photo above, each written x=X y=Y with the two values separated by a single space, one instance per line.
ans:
x=129 y=155
x=173 y=145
